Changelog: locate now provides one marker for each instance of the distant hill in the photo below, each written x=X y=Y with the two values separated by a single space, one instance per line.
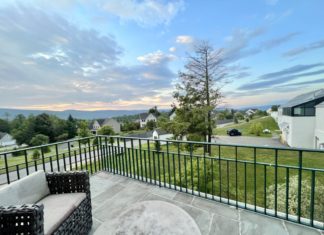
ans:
x=88 y=115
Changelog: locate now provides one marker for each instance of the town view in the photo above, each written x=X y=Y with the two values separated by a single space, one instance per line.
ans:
x=161 y=117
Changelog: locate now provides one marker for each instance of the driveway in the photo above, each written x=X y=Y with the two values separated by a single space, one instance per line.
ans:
x=247 y=140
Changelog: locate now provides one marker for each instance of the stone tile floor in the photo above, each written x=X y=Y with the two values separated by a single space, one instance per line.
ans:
x=113 y=194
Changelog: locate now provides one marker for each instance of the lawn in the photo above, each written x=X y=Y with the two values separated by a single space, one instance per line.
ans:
x=244 y=127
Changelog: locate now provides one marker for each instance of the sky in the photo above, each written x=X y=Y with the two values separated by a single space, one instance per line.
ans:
x=126 y=54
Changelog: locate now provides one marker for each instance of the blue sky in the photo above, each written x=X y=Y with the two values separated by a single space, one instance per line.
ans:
x=125 y=54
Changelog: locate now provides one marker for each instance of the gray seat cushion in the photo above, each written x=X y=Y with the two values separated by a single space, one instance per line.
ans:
x=58 y=207
x=27 y=190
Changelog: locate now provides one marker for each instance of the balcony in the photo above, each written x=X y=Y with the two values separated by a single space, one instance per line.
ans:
x=232 y=190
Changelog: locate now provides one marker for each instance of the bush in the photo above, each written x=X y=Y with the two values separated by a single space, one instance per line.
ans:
x=256 y=129
x=293 y=197
x=247 y=119
x=17 y=153
x=36 y=155
x=235 y=120
x=62 y=137
x=195 y=138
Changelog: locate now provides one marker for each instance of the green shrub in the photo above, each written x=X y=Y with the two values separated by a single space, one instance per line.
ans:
x=36 y=155
x=293 y=197
x=17 y=153
x=256 y=129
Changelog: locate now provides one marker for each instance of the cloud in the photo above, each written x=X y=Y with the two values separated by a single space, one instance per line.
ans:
x=154 y=58
x=303 y=49
x=279 y=81
x=184 y=39
x=291 y=70
x=172 y=49
x=146 y=12
x=278 y=41
x=238 y=45
x=46 y=61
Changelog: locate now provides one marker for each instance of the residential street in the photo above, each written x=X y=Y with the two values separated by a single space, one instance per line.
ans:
x=247 y=140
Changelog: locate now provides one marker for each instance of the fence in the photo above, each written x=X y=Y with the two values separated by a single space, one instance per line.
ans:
x=281 y=182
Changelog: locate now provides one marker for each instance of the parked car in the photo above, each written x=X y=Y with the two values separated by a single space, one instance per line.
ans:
x=266 y=131
x=234 y=132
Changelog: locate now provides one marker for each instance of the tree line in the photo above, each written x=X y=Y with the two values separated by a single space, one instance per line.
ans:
x=40 y=129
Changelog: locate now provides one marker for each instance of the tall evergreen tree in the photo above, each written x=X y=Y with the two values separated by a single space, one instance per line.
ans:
x=198 y=92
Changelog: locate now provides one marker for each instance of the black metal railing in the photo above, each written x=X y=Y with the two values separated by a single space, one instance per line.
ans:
x=286 y=183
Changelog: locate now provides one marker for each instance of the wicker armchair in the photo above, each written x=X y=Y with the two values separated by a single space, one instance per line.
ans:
x=29 y=219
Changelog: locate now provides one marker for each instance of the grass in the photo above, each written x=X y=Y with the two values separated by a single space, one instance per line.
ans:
x=244 y=127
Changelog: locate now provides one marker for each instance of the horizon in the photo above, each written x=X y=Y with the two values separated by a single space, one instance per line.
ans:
x=125 y=54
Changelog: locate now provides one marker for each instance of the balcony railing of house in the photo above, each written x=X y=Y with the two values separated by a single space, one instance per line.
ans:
x=281 y=182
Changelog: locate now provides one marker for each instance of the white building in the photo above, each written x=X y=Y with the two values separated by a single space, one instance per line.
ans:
x=250 y=112
x=146 y=117
x=6 y=140
x=172 y=116
x=301 y=120
x=97 y=124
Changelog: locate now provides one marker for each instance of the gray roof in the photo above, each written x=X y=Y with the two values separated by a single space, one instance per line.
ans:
x=303 y=98
x=143 y=116
x=148 y=134
x=2 y=134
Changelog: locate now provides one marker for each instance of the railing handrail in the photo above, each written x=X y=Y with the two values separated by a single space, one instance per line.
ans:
x=217 y=144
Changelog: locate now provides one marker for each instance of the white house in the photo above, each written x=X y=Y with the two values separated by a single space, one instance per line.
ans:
x=146 y=117
x=301 y=120
x=250 y=112
x=172 y=116
x=97 y=124
x=319 y=126
x=6 y=140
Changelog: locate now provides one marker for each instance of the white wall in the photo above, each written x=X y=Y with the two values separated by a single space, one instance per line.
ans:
x=301 y=131
x=7 y=140
x=274 y=115
x=319 y=126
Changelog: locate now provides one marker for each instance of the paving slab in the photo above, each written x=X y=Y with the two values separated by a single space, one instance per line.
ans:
x=112 y=195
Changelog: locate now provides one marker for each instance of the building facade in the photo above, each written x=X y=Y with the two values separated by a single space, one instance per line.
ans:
x=97 y=124
x=301 y=120
x=6 y=140
x=146 y=117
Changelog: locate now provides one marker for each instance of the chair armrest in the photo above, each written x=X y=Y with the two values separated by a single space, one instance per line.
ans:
x=68 y=182
x=25 y=219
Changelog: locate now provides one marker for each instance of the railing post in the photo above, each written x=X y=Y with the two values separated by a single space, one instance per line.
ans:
x=300 y=164
x=7 y=168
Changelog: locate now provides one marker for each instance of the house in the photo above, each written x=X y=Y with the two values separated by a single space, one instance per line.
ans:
x=301 y=120
x=6 y=140
x=155 y=134
x=95 y=125
x=172 y=116
x=250 y=112
x=145 y=117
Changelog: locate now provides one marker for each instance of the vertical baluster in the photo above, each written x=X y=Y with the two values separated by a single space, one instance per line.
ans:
x=312 y=198
x=300 y=164
x=43 y=158
x=265 y=188
x=254 y=178
x=179 y=166
x=149 y=159
x=168 y=156
x=236 y=178
x=57 y=157
x=90 y=156
x=276 y=181
x=75 y=160
x=70 y=161
x=191 y=170
x=17 y=170
x=287 y=192
x=126 y=162
x=26 y=162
